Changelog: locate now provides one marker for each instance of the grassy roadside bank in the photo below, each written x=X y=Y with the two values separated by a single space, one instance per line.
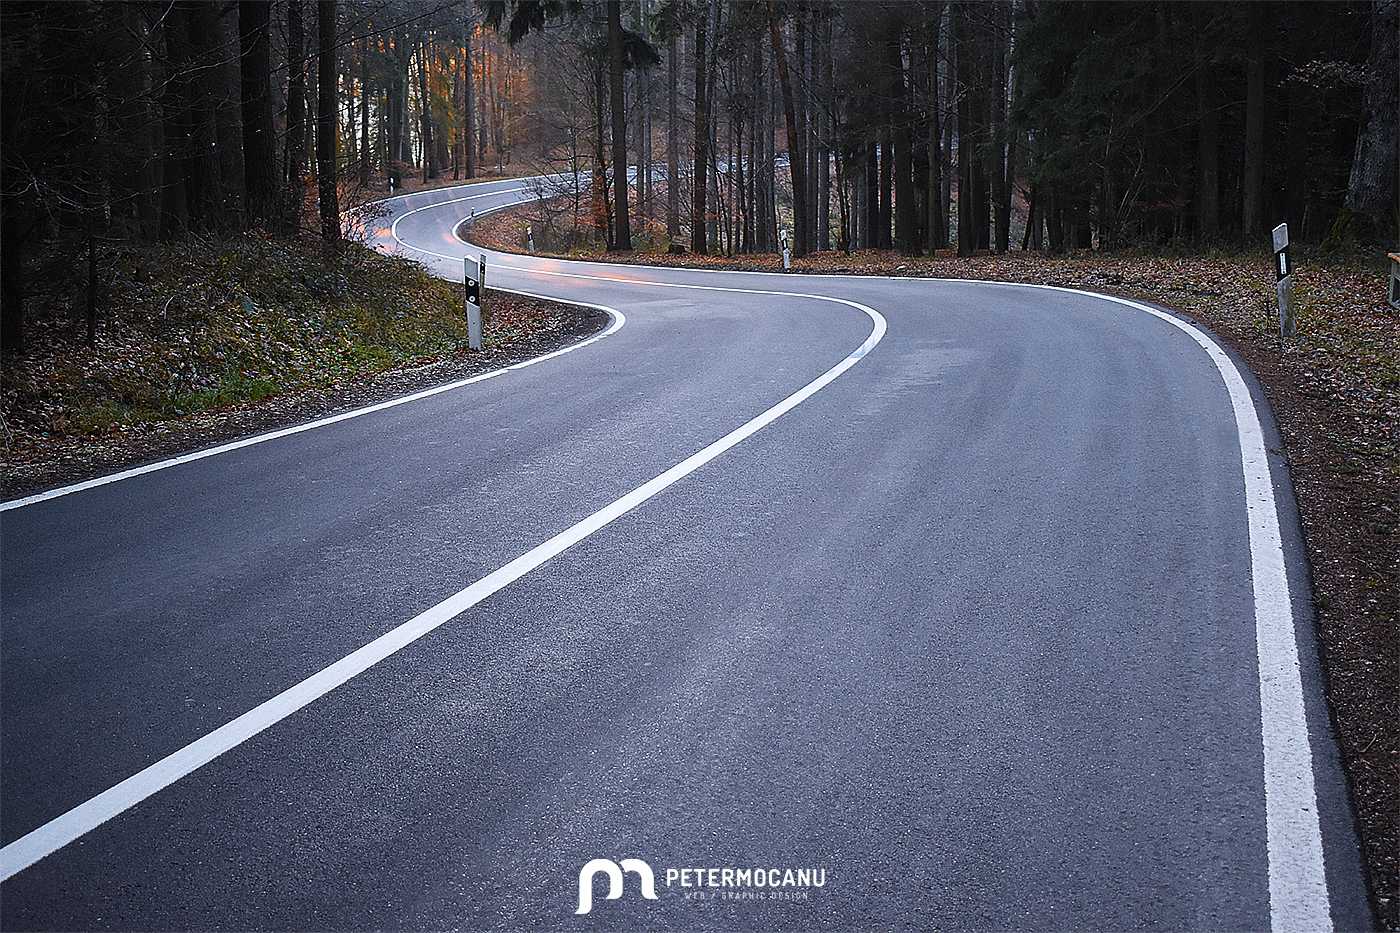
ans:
x=201 y=342
x=1334 y=390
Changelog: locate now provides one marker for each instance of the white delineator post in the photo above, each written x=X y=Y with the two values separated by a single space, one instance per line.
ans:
x=473 y=274
x=1283 y=270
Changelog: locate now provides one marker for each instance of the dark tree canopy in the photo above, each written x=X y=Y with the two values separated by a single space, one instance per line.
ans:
x=913 y=124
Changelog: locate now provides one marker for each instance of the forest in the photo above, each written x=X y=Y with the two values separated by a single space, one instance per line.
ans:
x=704 y=125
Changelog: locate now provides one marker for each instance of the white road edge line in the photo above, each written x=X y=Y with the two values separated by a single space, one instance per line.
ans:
x=394 y=227
x=618 y=321
x=87 y=816
x=1298 y=898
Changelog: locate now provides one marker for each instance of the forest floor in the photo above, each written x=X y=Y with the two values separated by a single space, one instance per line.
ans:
x=194 y=350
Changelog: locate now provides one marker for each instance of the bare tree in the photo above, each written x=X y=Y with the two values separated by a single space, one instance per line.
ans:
x=259 y=129
x=1373 y=188
x=699 y=217
x=797 y=153
x=622 y=224
x=326 y=82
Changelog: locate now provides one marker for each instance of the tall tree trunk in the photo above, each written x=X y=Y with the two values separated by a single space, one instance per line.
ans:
x=622 y=223
x=824 y=135
x=869 y=194
x=13 y=232
x=699 y=215
x=906 y=213
x=425 y=116
x=221 y=87
x=967 y=233
x=468 y=102
x=195 y=79
x=1034 y=238
x=1207 y=154
x=345 y=87
x=797 y=154
x=295 y=157
x=454 y=132
x=945 y=196
x=801 y=106
x=500 y=118
x=1253 y=219
x=978 y=103
x=843 y=204
x=398 y=109
x=884 y=181
x=179 y=127
x=259 y=132
x=884 y=194
x=1374 y=188
x=366 y=147
x=642 y=89
x=17 y=222
x=998 y=134
x=148 y=131
x=751 y=158
x=763 y=149
x=325 y=122
x=602 y=209
x=483 y=126
x=673 y=155
x=1055 y=220
x=937 y=232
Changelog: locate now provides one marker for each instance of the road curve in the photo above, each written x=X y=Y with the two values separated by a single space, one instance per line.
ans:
x=829 y=603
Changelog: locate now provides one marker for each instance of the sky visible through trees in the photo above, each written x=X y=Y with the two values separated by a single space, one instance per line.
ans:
x=913 y=126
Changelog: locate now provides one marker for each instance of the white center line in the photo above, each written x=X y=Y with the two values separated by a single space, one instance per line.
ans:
x=618 y=321
x=87 y=816
x=1298 y=893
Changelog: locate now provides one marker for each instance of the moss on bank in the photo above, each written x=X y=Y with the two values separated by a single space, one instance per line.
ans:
x=194 y=326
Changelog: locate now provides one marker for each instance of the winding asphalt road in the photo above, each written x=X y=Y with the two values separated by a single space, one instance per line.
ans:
x=830 y=603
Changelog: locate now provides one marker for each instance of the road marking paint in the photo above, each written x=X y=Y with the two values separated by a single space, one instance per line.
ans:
x=87 y=816
x=1298 y=898
x=394 y=227
x=617 y=323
